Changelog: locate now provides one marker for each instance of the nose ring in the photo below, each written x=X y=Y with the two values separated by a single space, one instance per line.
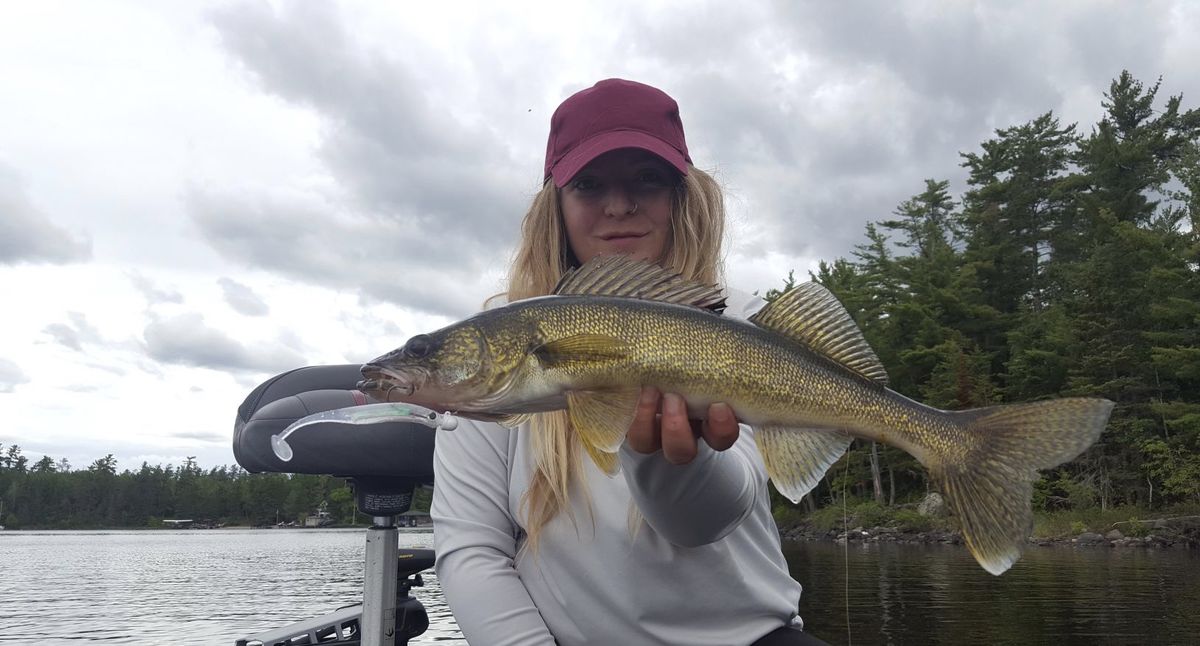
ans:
x=634 y=209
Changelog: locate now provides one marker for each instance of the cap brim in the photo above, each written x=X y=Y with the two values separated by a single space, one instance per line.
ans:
x=585 y=152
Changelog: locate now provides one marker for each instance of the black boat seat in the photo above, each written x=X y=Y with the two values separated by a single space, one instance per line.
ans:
x=394 y=449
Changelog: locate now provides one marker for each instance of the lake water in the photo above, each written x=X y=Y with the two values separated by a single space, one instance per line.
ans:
x=1060 y=595
x=214 y=586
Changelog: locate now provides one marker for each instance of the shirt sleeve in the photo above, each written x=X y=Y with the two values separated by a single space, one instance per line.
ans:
x=703 y=501
x=475 y=537
x=699 y=502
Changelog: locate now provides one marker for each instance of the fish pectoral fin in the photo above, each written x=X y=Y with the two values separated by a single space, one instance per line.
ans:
x=580 y=347
x=602 y=419
x=797 y=458
x=607 y=462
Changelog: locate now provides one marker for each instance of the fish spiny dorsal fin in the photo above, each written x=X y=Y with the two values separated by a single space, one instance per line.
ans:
x=623 y=276
x=810 y=314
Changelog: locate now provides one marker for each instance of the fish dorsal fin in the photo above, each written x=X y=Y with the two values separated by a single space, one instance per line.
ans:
x=629 y=278
x=810 y=314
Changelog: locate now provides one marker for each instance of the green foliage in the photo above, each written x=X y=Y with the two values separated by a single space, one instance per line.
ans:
x=50 y=495
x=1052 y=525
x=1080 y=495
x=422 y=499
x=1126 y=518
x=870 y=514
x=856 y=514
x=788 y=284
x=908 y=520
x=1136 y=528
x=827 y=518
x=1175 y=462
x=959 y=379
x=865 y=514
x=1069 y=267
x=787 y=515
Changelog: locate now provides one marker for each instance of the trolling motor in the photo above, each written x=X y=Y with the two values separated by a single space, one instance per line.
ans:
x=385 y=453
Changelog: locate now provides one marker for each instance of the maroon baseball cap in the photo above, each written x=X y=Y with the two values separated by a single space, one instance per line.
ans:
x=613 y=114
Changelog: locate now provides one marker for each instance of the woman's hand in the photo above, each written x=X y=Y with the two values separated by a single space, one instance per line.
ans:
x=661 y=422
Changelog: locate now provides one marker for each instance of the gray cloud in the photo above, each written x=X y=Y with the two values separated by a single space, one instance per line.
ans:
x=27 y=235
x=431 y=197
x=371 y=335
x=74 y=334
x=822 y=116
x=241 y=298
x=153 y=293
x=64 y=334
x=109 y=368
x=389 y=260
x=998 y=58
x=11 y=376
x=203 y=436
x=827 y=115
x=150 y=367
x=187 y=340
x=404 y=155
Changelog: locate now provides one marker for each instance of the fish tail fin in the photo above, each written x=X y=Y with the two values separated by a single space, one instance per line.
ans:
x=990 y=488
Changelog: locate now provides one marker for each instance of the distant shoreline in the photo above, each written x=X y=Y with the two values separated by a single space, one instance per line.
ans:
x=1181 y=532
x=180 y=529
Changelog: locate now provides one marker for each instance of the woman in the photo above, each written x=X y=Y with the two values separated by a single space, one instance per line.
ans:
x=536 y=545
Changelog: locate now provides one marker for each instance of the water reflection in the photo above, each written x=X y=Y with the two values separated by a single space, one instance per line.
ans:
x=909 y=594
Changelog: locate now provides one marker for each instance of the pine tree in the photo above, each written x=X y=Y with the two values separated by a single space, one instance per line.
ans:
x=1017 y=204
x=1132 y=288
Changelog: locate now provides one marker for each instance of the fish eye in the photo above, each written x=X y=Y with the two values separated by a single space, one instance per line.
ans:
x=419 y=346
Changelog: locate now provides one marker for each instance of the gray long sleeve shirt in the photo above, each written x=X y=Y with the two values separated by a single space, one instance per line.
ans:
x=704 y=568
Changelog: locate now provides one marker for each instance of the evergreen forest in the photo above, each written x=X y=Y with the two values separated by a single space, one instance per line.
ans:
x=1069 y=266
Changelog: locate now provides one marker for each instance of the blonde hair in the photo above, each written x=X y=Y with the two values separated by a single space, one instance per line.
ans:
x=543 y=256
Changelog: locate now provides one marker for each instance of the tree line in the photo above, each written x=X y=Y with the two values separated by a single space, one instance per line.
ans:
x=1069 y=266
x=50 y=494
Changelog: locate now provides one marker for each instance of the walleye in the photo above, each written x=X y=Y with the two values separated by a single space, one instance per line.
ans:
x=799 y=371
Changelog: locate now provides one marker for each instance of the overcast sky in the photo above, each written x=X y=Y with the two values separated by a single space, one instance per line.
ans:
x=194 y=197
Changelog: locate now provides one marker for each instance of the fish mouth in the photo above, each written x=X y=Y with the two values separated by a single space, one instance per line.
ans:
x=384 y=383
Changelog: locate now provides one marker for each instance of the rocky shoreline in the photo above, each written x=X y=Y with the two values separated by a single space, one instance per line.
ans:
x=1182 y=532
